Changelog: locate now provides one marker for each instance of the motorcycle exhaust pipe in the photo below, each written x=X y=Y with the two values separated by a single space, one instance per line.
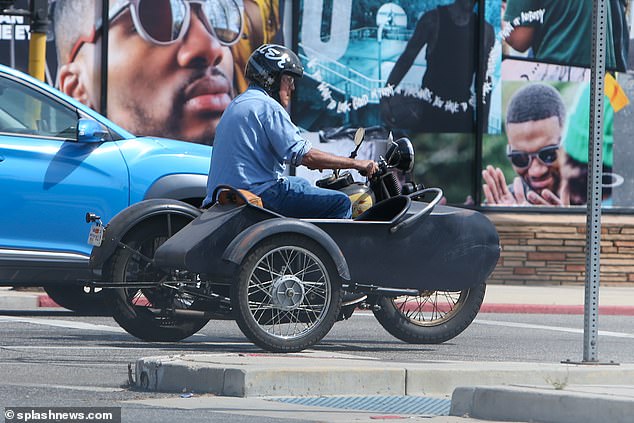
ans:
x=379 y=290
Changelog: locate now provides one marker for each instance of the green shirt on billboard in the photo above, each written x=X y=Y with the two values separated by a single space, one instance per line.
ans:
x=563 y=30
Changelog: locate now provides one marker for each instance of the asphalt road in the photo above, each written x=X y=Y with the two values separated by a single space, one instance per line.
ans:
x=56 y=358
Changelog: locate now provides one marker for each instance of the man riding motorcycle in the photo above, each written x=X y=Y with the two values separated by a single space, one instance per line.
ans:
x=255 y=139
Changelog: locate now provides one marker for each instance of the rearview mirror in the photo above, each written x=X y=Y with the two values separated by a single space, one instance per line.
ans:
x=91 y=131
x=358 y=136
x=358 y=139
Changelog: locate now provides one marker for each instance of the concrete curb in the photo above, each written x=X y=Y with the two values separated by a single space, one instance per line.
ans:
x=256 y=375
x=540 y=405
x=19 y=302
x=304 y=374
x=46 y=301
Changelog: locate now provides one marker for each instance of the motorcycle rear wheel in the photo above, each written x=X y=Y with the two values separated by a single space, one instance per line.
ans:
x=131 y=306
x=288 y=294
x=432 y=317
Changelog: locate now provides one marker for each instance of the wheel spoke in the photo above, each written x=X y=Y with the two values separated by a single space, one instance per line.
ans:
x=429 y=308
x=259 y=286
x=260 y=306
x=307 y=269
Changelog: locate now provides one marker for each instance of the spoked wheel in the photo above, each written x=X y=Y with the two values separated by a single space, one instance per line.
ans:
x=288 y=294
x=151 y=313
x=432 y=317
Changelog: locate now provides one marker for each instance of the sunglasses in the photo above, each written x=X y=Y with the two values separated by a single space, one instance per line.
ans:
x=165 y=22
x=289 y=80
x=522 y=159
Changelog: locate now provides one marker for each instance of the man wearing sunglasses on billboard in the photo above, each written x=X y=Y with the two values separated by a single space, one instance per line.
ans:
x=170 y=68
x=535 y=121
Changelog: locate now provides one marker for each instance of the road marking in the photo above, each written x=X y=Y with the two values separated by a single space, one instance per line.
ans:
x=552 y=328
x=68 y=324
x=154 y=346
x=62 y=324
x=531 y=326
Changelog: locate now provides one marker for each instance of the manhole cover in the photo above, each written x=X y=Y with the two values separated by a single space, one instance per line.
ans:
x=381 y=404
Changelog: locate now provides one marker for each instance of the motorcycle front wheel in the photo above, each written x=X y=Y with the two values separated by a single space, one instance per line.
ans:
x=145 y=312
x=288 y=294
x=432 y=317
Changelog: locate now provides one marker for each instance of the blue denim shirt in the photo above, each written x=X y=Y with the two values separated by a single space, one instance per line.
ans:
x=254 y=141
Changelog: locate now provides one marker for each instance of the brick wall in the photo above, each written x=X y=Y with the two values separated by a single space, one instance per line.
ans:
x=550 y=249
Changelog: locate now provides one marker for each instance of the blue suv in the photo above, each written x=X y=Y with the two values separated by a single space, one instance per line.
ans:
x=60 y=159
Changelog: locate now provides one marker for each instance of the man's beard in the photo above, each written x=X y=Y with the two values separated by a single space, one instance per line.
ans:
x=170 y=126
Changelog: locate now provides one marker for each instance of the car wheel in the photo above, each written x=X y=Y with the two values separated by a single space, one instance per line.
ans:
x=75 y=298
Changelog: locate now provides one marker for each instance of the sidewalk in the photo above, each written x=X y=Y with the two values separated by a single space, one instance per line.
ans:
x=521 y=392
x=553 y=299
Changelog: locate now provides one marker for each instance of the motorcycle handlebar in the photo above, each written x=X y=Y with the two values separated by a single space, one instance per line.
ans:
x=421 y=214
x=383 y=168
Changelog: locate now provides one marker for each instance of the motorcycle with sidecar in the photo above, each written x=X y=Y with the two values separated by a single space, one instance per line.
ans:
x=421 y=267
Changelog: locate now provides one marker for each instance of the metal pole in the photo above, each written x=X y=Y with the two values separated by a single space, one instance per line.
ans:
x=37 y=44
x=595 y=170
x=105 y=28
x=481 y=64
x=12 y=46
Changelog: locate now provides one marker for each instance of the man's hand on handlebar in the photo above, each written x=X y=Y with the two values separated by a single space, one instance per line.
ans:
x=317 y=159
x=367 y=167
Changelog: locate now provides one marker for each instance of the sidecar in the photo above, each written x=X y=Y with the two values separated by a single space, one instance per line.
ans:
x=287 y=275
x=397 y=244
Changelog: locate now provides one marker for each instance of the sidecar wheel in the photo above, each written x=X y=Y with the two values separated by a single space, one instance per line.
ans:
x=432 y=317
x=131 y=307
x=288 y=294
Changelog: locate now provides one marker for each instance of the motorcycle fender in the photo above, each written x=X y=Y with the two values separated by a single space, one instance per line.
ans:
x=131 y=216
x=247 y=239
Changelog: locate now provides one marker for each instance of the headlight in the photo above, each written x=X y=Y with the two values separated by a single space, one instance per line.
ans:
x=400 y=154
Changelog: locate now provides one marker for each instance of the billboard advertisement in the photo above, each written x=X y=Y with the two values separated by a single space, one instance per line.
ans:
x=410 y=67
x=173 y=66
x=540 y=158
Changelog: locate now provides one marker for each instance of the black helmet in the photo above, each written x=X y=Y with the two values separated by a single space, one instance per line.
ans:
x=267 y=64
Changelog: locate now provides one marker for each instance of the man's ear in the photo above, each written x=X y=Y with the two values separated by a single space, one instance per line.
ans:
x=72 y=82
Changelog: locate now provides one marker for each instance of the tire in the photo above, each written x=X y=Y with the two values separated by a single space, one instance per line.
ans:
x=288 y=294
x=73 y=297
x=432 y=317
x=131 y=306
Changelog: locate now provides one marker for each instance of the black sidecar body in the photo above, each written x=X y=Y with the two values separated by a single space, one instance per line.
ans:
x=397 y=244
